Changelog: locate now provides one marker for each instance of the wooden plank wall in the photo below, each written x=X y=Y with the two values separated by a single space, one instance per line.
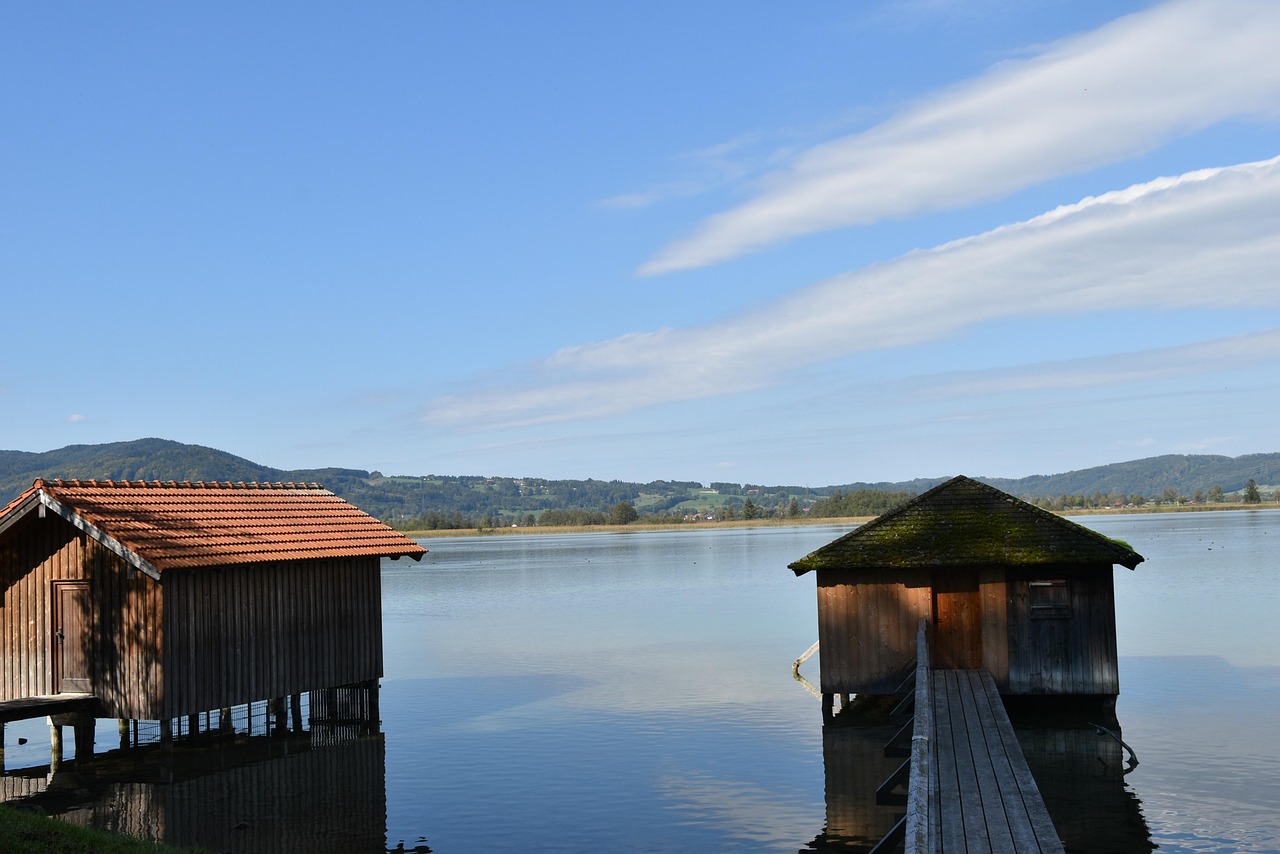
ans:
x=994 y=593
x=127 y=669
x=123 y=627
x=252 y=632
x=56 y=552
x=1074 y=654
x=867 y=627
x=957 y=619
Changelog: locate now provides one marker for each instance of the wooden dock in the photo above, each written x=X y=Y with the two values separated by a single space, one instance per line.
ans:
x=969 y=790
x=39 y=707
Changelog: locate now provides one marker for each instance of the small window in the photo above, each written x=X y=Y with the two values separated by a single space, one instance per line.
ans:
x=1049 y=599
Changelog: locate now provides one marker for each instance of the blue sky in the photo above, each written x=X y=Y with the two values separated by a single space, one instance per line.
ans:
x=754 y=242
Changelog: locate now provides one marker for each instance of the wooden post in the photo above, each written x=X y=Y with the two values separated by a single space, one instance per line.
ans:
x=55 y=745
x=828 y=701
x=122 y=726
x=281 y=715
x=297 y=713
x=84 y=731
x=375 y=716
x=1 y=746
x=166 y=731
x=224 y=719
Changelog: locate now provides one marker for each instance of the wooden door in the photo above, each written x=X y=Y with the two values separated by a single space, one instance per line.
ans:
x=72 y=640
x=957 y=620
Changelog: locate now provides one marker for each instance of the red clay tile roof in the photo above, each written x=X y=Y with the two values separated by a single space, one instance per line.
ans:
x=179 y=525
x=964 y=522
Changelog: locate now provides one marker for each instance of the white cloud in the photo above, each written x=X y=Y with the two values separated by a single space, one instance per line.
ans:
x=1084 y=102
x=1208 y=239
x=76 y=418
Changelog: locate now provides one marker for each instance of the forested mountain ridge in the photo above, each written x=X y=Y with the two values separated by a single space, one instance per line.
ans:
x=435 y=501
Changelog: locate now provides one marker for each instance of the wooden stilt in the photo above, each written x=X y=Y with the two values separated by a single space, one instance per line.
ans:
x=280 y=713
x=166 y=731
x=55 y=745
x=375 y=716
x=297 y=713
x=84 y=732
x=828 y=700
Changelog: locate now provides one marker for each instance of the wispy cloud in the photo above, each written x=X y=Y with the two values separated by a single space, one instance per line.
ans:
x=76 y=418
x=708 y=167
x=1203 y=357
x=1207 y=239
x=1083 y=102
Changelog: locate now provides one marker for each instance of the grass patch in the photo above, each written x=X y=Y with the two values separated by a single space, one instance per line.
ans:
x=25 y=832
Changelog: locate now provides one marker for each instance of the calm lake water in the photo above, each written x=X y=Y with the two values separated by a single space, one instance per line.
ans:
x=633 y=691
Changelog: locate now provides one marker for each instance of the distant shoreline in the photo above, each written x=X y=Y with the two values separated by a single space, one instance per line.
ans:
x=849 y=521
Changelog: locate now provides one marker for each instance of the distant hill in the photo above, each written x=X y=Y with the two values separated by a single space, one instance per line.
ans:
x=1150 y=477
x=460 y=501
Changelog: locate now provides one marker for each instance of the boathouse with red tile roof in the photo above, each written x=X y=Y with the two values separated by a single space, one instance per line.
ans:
x=1003 y=585
x=163 y=600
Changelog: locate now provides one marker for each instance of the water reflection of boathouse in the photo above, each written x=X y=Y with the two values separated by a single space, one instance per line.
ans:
x=244 y=785
x=158 y=601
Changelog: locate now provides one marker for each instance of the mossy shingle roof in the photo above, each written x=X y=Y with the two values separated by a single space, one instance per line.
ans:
x=964 y=522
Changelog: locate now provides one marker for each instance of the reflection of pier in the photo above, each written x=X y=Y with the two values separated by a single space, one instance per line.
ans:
x=234 y=783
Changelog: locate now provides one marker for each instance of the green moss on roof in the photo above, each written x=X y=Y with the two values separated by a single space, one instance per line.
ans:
x=964 y=522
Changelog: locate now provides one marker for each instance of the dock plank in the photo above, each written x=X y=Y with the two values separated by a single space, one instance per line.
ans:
x=986 y=798
x=1037 y=813
x=988 y=752
x=949 y=789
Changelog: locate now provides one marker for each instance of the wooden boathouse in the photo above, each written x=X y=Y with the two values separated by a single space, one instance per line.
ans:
x=1005 y=587
x=161 y=600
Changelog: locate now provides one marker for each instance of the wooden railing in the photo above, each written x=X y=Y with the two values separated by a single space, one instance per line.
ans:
x=921 y=824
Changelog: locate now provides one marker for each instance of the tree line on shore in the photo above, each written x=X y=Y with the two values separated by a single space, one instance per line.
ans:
x=439 y=502
x=1250 y=494
x=862 y=502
